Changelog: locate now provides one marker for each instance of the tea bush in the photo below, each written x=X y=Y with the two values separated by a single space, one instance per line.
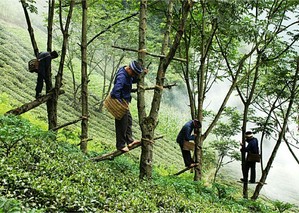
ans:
x=41 y=174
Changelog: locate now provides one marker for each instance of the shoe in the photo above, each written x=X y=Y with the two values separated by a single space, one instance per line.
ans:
x=38 y=95
x=242 y=179
x=251 y=181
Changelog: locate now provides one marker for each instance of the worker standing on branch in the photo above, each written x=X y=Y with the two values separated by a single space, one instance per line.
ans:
x=121 y=93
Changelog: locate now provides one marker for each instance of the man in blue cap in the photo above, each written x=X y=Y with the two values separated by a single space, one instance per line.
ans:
x=121 y=91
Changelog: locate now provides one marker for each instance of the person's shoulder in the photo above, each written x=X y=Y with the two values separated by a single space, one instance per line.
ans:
x=190 y=122
x=43 y=54
x=121 y=73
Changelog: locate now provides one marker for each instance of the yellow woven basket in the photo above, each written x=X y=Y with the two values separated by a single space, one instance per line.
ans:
x=189 y=146
x=116 y=108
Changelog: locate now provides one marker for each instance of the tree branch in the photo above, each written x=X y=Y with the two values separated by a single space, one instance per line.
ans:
x=112 y=155
x=67 y=124
x=31 y=105
x=147 y=53
x=152 y=88
x=115 y=23
x=185 y=169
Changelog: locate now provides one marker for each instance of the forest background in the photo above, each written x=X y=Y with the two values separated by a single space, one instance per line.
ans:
x=101 y=70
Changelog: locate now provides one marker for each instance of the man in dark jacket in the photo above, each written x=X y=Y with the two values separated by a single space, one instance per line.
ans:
x=121 y=91
x=252 y=147
x=186 y=135
x=43 y=74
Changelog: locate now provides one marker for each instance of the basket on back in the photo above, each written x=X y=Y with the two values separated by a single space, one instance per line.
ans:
x=116 y=108
x=33 y=65
x=189 y=146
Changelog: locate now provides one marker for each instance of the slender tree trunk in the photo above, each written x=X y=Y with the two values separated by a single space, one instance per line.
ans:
x=84 y=80
x=30 y=29
x=148 y=124
x=147 y=133
x=280 y=137
x=50 y=103
x=58 y=77
x=201 y=91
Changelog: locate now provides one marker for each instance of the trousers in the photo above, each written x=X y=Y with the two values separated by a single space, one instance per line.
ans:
x=186 y=156
x=123 y=130
x=249 y=166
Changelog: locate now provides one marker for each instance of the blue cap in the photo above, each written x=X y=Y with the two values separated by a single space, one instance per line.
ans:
x=136 y=67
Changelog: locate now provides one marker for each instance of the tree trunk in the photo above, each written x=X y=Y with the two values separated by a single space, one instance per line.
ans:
x=147 y=135
x=58 y=77
x=148 y=124
x=201 y=92
x=280 y=137
x=50 y=102
x=30 y=29
x=84 y=80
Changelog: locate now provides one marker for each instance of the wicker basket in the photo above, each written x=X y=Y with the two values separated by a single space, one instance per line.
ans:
x=33 y=65
x=116 y=108
x=189 y=146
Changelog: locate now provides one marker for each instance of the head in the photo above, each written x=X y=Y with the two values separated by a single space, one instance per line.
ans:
x=248 y=135
x=197 y=125
x=54 y=54
x=135 y=67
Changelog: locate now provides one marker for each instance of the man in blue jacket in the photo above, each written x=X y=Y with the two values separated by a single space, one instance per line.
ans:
x=252 y=147
x=43 y=74
x=121 y=91
x=186 y=135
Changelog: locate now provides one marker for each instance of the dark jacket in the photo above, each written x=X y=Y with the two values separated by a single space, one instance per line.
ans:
x=43 y=67
x=252 y=146
x=123 y=85
x=186 y=133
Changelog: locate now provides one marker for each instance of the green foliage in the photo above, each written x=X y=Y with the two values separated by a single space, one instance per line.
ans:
x=9 y=205
x=47 y=171
x=229 y=125
x=14 y=206
x=282 y=207
x=14 y=132
x=224 y=145
x=51 y=176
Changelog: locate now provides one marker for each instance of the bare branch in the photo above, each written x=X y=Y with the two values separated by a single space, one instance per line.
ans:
x=31 y=105
x=151 y=54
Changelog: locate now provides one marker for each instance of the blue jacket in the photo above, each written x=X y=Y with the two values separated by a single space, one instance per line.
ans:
x=186 y=133
x=252 y=146
x=123 y=85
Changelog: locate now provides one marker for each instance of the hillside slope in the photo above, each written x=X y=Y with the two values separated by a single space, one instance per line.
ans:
x=19 y=84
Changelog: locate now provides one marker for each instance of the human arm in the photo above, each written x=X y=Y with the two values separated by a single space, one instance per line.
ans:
x=118 y=87
x=252 y=146
x=188 y=134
